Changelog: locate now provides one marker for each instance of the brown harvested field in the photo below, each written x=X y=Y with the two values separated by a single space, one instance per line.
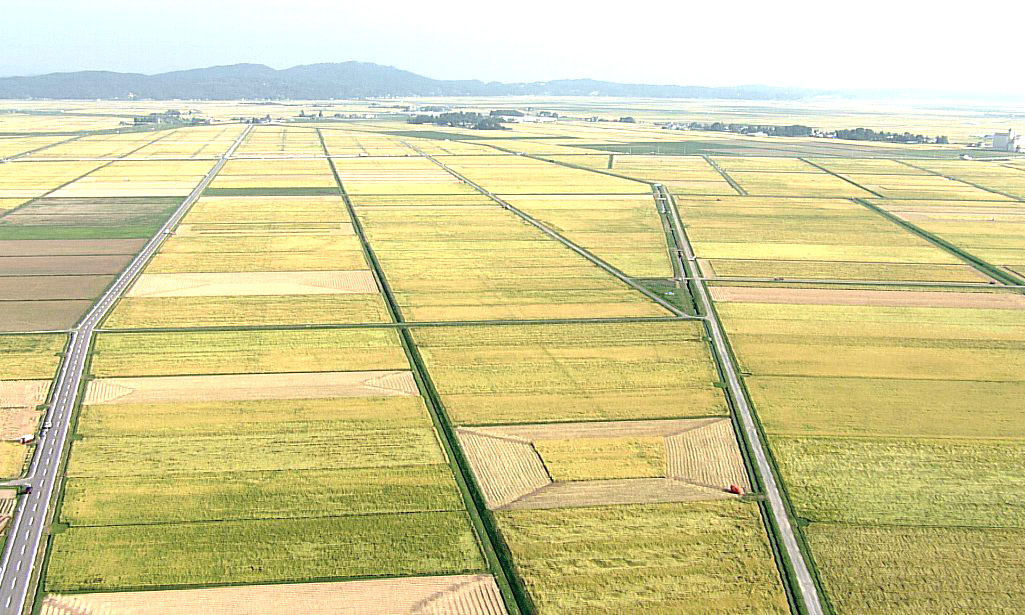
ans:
x=23 y=393
x=15 y=422
x=8 y=500
x=610 y=492
x=89 y=212
x=18 y=401
x=18 y=394
x=41 y=315
x=701 y=459
x=93 y=264
x=13 y=288
x=65 y=247
x=707 y=455
x=450 y=595
x=254 y=283
x=314 y=385
x=879 y=298
x=506 y=469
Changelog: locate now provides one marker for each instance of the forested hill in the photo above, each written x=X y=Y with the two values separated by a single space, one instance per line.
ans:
x=340 y=80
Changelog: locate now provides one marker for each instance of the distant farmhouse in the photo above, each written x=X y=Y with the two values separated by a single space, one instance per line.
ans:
x=1009 y=141
x=519 y=117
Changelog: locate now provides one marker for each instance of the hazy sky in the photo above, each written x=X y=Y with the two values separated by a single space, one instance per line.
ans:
x=869 y=44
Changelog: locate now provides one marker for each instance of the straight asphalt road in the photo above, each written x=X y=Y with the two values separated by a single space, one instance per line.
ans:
x=28 y=524
x=806 y=584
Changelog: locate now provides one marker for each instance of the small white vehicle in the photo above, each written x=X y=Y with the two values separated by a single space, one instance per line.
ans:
x=47 y=425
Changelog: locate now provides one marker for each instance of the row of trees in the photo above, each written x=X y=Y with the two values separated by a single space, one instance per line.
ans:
x=867 y=134
x=461 y=119
x=794 y=130
x=798 y=130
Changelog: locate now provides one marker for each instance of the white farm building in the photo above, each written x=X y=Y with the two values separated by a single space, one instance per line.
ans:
x=1009 y=141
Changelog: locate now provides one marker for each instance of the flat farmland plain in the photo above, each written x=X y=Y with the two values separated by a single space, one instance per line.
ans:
x=367 y=469
x=581 y=504
x=464 y=263
x=839 y=380
x=298 y=177
x=808 y=238
x=521 y=175
x=711 y=557
x=992 y=232
x=233 y=352
x=256 y=261
x=256 y=434
x=681 y=174
x=83 y=222
x=529 y=373
x=624 y=231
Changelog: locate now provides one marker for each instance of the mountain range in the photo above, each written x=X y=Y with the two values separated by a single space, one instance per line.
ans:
x=342 y=80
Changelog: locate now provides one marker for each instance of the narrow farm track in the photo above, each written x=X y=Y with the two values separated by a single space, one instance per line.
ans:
x=732 y=182
x=512 y=592
x=41 y=148
x=802 y=573
x=32 y=513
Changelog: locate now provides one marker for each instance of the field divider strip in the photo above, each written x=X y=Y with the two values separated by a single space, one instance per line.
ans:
x=608 y=268
x=496 y=553
x=39 y=149
x=982 y=266
x=838 y=176
x=959 y=180
x=795 y=567
x=568 y=165
x=732 y=182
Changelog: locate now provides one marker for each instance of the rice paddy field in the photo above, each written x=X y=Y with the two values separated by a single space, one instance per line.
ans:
x=380 y=368
x=366 y=468
x=991 y=231
x=812 y=239
x=483 y=263
x=600 y=560
x=626 y=232
x=548 y=373
x=894 y=424
x=257 y=260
